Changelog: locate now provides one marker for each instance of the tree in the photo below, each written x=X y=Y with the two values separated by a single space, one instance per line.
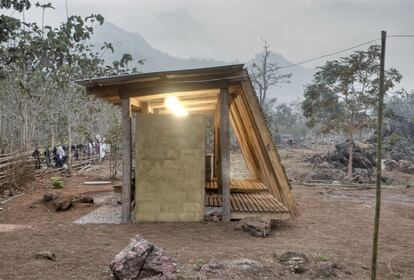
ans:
x=266 y=74
x=37 y=93
x=343 y=95
x=18 y=5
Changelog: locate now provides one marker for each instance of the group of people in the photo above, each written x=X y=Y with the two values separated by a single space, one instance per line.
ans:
x=60 y=153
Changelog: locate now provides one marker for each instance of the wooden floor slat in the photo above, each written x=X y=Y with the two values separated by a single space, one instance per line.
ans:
x=247 y=197
x=247 y=202
x=239 y=185
x=258 y=205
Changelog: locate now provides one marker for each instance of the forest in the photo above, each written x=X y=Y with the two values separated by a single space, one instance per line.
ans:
x=40 y=103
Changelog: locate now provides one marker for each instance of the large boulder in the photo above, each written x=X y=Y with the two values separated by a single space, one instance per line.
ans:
x=256 y=226
x=141 y=259
x=390 y=164
x=406 y=166
x=361 y=176
x=364 y=154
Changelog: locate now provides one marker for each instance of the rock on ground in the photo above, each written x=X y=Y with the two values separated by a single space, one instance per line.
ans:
x=212 y=214
x=235 y=269
x=47 y=255
x=63 y=203
x=299 y=263
x=397 y=144
x=256 y=226
x=390 y=164
x=142 y=259
x=406 y=166
x=242 y=265
x=295 y=261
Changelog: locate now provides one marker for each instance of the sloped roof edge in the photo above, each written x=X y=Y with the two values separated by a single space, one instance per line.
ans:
x=121 y=79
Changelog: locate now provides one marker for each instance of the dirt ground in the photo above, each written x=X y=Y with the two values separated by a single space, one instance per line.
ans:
x=334 y=224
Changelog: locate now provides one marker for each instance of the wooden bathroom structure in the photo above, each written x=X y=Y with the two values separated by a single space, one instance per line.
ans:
x=225 y=92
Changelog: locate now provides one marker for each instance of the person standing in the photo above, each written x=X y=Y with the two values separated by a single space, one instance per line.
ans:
x=47 y=156
x=60 y=156
x=76 y=152
x=36 y=155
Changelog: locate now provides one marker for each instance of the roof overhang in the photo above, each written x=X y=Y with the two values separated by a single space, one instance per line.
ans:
x=196 y=88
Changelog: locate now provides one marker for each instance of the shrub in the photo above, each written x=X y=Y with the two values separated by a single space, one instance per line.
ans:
x=198 y=264
x=322 y=258
x=57 y=182
x=394 y=138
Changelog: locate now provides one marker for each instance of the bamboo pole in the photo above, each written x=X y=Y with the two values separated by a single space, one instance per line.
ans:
x=379 y=157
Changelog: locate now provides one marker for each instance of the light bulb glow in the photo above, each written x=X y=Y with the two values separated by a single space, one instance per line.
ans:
x=174 y=105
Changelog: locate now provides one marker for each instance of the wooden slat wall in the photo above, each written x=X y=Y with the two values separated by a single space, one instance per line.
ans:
x=274 y=174
x=252 y=136
x=245 y=146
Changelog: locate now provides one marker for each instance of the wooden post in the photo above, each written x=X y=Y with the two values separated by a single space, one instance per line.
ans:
x=126 y=160
x=217 y=141
x=225 y=152
x=379 y=159
x=146 y=109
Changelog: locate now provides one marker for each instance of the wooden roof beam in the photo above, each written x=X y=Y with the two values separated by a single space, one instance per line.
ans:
x=190 y=109
x=187 y=102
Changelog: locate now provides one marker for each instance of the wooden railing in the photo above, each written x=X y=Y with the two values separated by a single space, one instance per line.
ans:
x=23 y=164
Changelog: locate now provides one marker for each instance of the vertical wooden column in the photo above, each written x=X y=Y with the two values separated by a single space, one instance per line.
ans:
x=146 y=108
x=217 y=142
x=126 y=160
x=225 y=152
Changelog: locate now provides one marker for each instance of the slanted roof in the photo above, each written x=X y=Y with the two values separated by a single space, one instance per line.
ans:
x=197 y=90
x=154 y=87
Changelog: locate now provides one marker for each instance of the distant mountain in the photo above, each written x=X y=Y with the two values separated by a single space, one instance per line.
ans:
x=157 y=60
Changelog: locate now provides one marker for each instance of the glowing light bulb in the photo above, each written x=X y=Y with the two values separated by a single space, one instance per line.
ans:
x=174 y=105
x=172 y=102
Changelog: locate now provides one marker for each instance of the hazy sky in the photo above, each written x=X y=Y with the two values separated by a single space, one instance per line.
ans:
x=231 y=29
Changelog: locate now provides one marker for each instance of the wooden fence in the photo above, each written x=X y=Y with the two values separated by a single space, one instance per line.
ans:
x=18 y=167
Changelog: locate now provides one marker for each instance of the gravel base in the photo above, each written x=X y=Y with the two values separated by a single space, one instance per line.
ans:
x=108 y=213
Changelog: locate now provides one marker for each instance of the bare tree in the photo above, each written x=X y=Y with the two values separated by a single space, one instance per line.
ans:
x=266 y=74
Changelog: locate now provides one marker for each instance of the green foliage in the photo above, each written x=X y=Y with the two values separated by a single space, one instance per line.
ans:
x=344 y=92
x=394 y=138
x=343 y=95
x=198 y=264
x=38 y=67
x=285 y=119
x=386 y=180
x=397 y=275
x=322 y=258
x=57 y=182
x=18 y=5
